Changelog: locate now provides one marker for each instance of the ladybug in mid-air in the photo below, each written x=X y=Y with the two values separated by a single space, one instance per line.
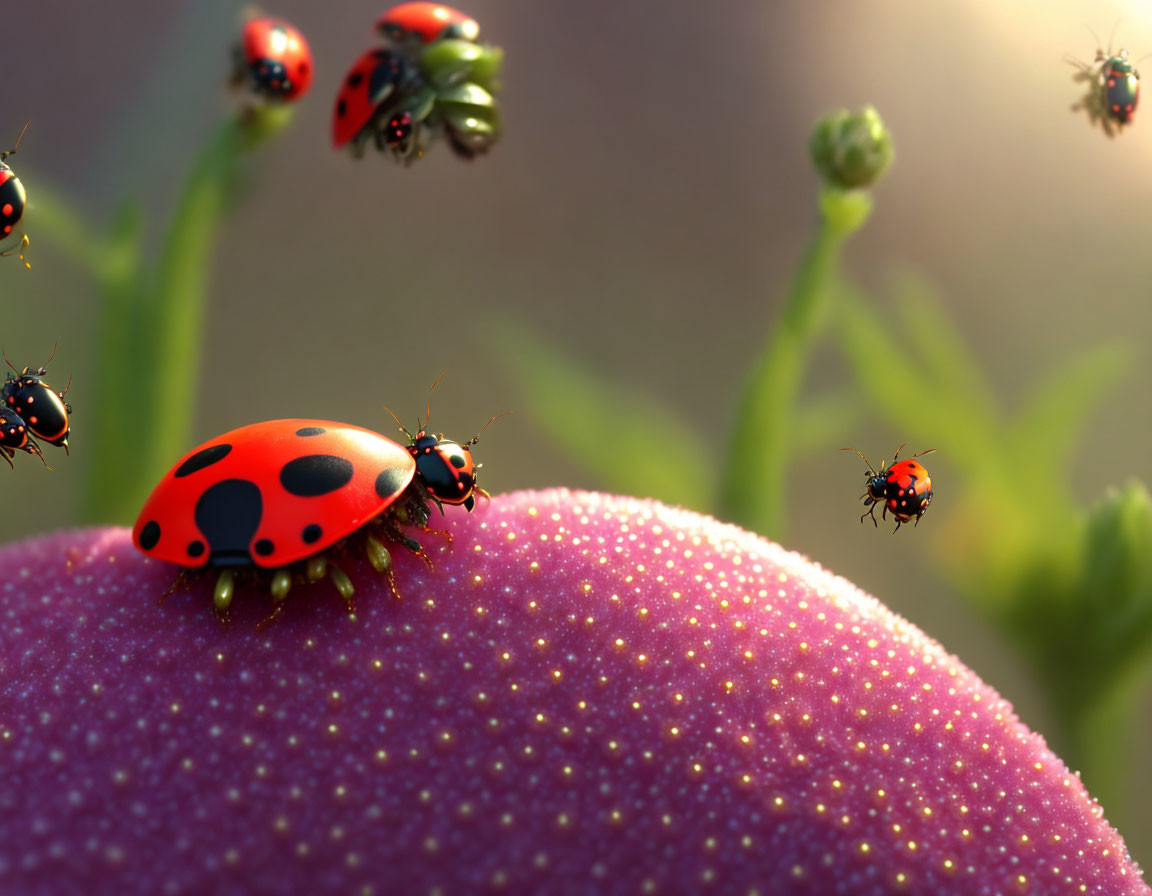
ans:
x=43 y=410
x=274 y=58
x=13 y=200
x=903 y=488
x=423 y=22
x=1113 y=89
x=288 y=497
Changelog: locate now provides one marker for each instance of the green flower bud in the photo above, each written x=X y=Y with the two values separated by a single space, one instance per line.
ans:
x=851 y=149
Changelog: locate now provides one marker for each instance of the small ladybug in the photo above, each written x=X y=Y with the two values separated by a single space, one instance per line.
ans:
x=1121 y=87
x=285 y=497
x=426 y=22
x=367 y=94
x=902 y=487
x=13 y=201
x=14 y=436
x=44 y=411
x=445 y=468
x=274 y=58
x=1113 y=89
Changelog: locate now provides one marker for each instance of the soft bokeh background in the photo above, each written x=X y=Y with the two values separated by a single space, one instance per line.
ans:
x=644 y=212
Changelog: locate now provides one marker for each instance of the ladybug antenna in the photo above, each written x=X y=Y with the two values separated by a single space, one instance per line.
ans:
x=863 y=458
x=12 y=151
x=476 y=438
x=898 y=450
x=428 y=411
x=9 y=363
x=44 y=366
x=403 y=428
x=926 y=451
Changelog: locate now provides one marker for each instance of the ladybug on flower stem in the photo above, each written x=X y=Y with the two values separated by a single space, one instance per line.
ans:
x=274 y=59
x=421 y=22
x=902 y=487
x=13 y=200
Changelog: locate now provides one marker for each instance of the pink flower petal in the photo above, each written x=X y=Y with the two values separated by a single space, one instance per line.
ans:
x=589 y=695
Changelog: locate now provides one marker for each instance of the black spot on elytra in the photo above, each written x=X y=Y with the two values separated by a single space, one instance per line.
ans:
x=264 y=547
x=307 y=431
x=355 y=79
x=229 y=513
x=202 y=459
x=315 y=474
x=341 y=108
x=150 y=535
x=390 y=481
x=195 y=548
x=311 y=533
x=458 y=461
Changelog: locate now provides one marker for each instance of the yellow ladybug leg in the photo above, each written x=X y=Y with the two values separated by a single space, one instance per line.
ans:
x=222 y=595
x=378 y=555
x=23 y=246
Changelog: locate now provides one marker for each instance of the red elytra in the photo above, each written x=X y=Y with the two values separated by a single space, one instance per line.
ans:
x=909 y=490
x=369 y=83
x=278 y=57
x=273 y=493
x=428 y=22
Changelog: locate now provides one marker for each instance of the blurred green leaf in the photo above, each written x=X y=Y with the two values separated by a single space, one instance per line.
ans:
x=1053 y=419
x=825 y=420
x=947 y=361
x=634 y=444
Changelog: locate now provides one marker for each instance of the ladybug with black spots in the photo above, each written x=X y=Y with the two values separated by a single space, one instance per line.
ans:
x=13 y=200
x=286 y=497
x=422 y=22
x=903 y=488
x=367 y=95
x=43 y=410
x=274 y=59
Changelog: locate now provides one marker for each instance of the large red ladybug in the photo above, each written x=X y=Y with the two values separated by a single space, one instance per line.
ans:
x=275 y=495
x=274 y=58
x=13 y=201
x=903 y=488
x=426 y=22
x=366 y=92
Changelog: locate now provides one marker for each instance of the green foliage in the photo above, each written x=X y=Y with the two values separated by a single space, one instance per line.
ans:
x=152 y=318
x=634 y=444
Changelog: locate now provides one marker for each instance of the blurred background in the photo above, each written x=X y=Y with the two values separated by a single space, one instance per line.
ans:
x=643 y=213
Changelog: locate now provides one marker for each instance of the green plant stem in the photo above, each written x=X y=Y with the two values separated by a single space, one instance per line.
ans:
x=753 y=490
x=152 y=331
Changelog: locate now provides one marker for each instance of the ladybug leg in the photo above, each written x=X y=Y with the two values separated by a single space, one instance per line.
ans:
x=180 y=583
x=223 y=593
x=8 y=454
x=23 y=246
x=33 y=448
x=870 y=512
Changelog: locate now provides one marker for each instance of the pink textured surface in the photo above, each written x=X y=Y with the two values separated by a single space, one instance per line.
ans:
x=589 y=695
